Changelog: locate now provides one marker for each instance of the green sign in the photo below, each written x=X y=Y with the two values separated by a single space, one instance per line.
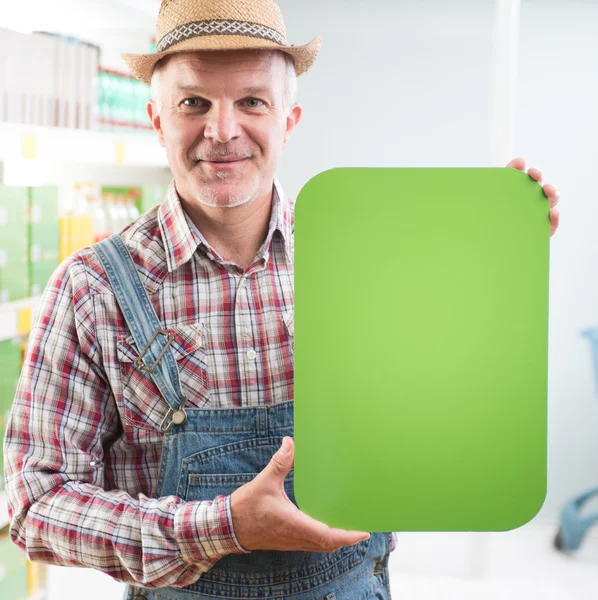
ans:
x=421 y=334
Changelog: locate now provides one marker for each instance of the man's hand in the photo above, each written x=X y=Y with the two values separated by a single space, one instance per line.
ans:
x=550 y=191
x=265 y=519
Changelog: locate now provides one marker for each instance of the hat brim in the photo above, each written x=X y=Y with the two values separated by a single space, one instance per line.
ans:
x=142 y=65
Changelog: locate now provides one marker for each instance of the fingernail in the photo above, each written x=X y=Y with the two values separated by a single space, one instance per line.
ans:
x=285 y=446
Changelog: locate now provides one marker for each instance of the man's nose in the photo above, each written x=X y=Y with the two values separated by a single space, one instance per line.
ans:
x=222 y=123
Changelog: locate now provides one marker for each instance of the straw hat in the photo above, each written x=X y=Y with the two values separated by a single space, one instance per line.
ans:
x=188 y=25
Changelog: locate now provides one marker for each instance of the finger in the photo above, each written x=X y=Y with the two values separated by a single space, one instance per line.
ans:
x=324 y=536
x=535 y=174
x=319 y=532
x=552 y=193
x=517 y=163
x=555 y=217
x=281 y=462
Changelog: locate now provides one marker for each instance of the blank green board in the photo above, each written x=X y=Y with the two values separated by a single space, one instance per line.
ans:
x=421 y=347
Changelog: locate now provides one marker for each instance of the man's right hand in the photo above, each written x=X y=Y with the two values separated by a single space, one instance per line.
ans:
x=265 y=519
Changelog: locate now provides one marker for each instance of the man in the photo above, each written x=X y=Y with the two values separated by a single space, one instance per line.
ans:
x=154 y=457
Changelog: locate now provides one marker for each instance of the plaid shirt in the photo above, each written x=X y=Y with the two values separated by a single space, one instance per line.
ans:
x=83 y=443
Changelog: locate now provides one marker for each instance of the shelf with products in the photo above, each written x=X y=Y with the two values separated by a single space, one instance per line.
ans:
x=58 y=80
x=40 y=226
x=31 y=172
x=121 y=102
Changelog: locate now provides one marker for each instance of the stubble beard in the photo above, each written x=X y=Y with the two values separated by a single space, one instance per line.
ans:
x=209 y=196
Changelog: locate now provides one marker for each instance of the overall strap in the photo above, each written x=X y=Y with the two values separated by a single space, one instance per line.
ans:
x=153 y=343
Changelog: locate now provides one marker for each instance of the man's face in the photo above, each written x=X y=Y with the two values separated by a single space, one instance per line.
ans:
x=222 y=123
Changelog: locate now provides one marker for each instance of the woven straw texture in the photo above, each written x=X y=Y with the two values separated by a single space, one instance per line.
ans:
x=188 y=25
x=177 y=12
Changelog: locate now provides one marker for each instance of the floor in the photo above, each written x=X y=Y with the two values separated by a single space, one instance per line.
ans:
x=514 y=565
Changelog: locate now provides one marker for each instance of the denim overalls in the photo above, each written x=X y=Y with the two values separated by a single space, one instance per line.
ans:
x=211 y=452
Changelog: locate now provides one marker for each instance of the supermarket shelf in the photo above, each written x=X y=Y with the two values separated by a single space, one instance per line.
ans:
x=33 y=172
x=71 y=155
x=57 y=143
x=16 y=317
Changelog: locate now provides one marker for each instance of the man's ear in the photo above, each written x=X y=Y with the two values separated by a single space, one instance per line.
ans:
x=293 y=119
x=154 y=115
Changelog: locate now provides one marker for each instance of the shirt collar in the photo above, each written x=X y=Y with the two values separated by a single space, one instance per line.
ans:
x=182 y=238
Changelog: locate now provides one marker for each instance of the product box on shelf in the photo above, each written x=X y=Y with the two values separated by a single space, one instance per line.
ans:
x=11 y=358
x=47 y=79
x=122 y=102
x=14 y=276
x=76 y=232
x=151 y=195
x=10 y=368
x=10 y=108
x=75 y=222
x=44 y=236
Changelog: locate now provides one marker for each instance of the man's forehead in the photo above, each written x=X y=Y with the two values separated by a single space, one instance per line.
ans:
x=229 y=60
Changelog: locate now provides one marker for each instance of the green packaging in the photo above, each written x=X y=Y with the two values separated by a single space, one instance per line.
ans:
x=151 y=195
x=44 y=236
x=14 y=284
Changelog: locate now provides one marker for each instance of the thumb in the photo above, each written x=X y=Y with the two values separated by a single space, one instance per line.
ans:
x=282 y=462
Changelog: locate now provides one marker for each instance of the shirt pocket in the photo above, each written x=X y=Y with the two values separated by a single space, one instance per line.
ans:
x=142 y=404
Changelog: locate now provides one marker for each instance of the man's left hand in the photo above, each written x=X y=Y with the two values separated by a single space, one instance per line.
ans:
x=550 y=191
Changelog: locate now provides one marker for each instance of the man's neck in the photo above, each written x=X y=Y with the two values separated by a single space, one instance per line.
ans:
x=236 y=233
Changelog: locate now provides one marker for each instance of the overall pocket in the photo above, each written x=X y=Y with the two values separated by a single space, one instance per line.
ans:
x=143 y=405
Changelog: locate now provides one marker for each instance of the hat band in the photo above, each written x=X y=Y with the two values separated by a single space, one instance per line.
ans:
x=219 y=27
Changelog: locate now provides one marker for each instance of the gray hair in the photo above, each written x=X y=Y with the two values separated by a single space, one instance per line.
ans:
x=290 y=85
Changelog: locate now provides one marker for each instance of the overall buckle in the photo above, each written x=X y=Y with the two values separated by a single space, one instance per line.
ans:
x=173 y=417
x=140 y=363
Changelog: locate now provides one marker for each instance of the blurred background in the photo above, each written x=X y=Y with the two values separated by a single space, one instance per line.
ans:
x=399 y=83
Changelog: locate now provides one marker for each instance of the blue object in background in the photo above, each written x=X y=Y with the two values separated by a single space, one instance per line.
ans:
x=573 y=526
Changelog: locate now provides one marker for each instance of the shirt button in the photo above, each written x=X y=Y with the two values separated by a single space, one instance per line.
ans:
x=251 y=354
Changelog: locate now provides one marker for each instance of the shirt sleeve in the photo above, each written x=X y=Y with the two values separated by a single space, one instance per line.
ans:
x=63 y=416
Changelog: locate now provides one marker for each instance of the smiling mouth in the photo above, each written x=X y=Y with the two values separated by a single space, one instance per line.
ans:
x=223 y=162
x=222 y=165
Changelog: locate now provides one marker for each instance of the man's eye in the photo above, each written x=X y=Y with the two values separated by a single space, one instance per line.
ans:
x=192 y=102
x=253 y=102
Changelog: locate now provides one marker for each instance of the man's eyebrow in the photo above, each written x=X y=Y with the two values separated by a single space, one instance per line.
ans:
x=256 y=89
x=193 y=89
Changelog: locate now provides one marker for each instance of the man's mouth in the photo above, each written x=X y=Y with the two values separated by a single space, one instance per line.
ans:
x=225 y=159
x=228 y=159
x=223 y=165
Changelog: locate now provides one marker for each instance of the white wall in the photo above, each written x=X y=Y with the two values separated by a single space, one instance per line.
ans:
x=396 y=84
x=408 y=84
x=556 y=125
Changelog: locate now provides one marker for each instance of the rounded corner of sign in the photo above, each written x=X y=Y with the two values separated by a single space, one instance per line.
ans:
x=530 y=514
